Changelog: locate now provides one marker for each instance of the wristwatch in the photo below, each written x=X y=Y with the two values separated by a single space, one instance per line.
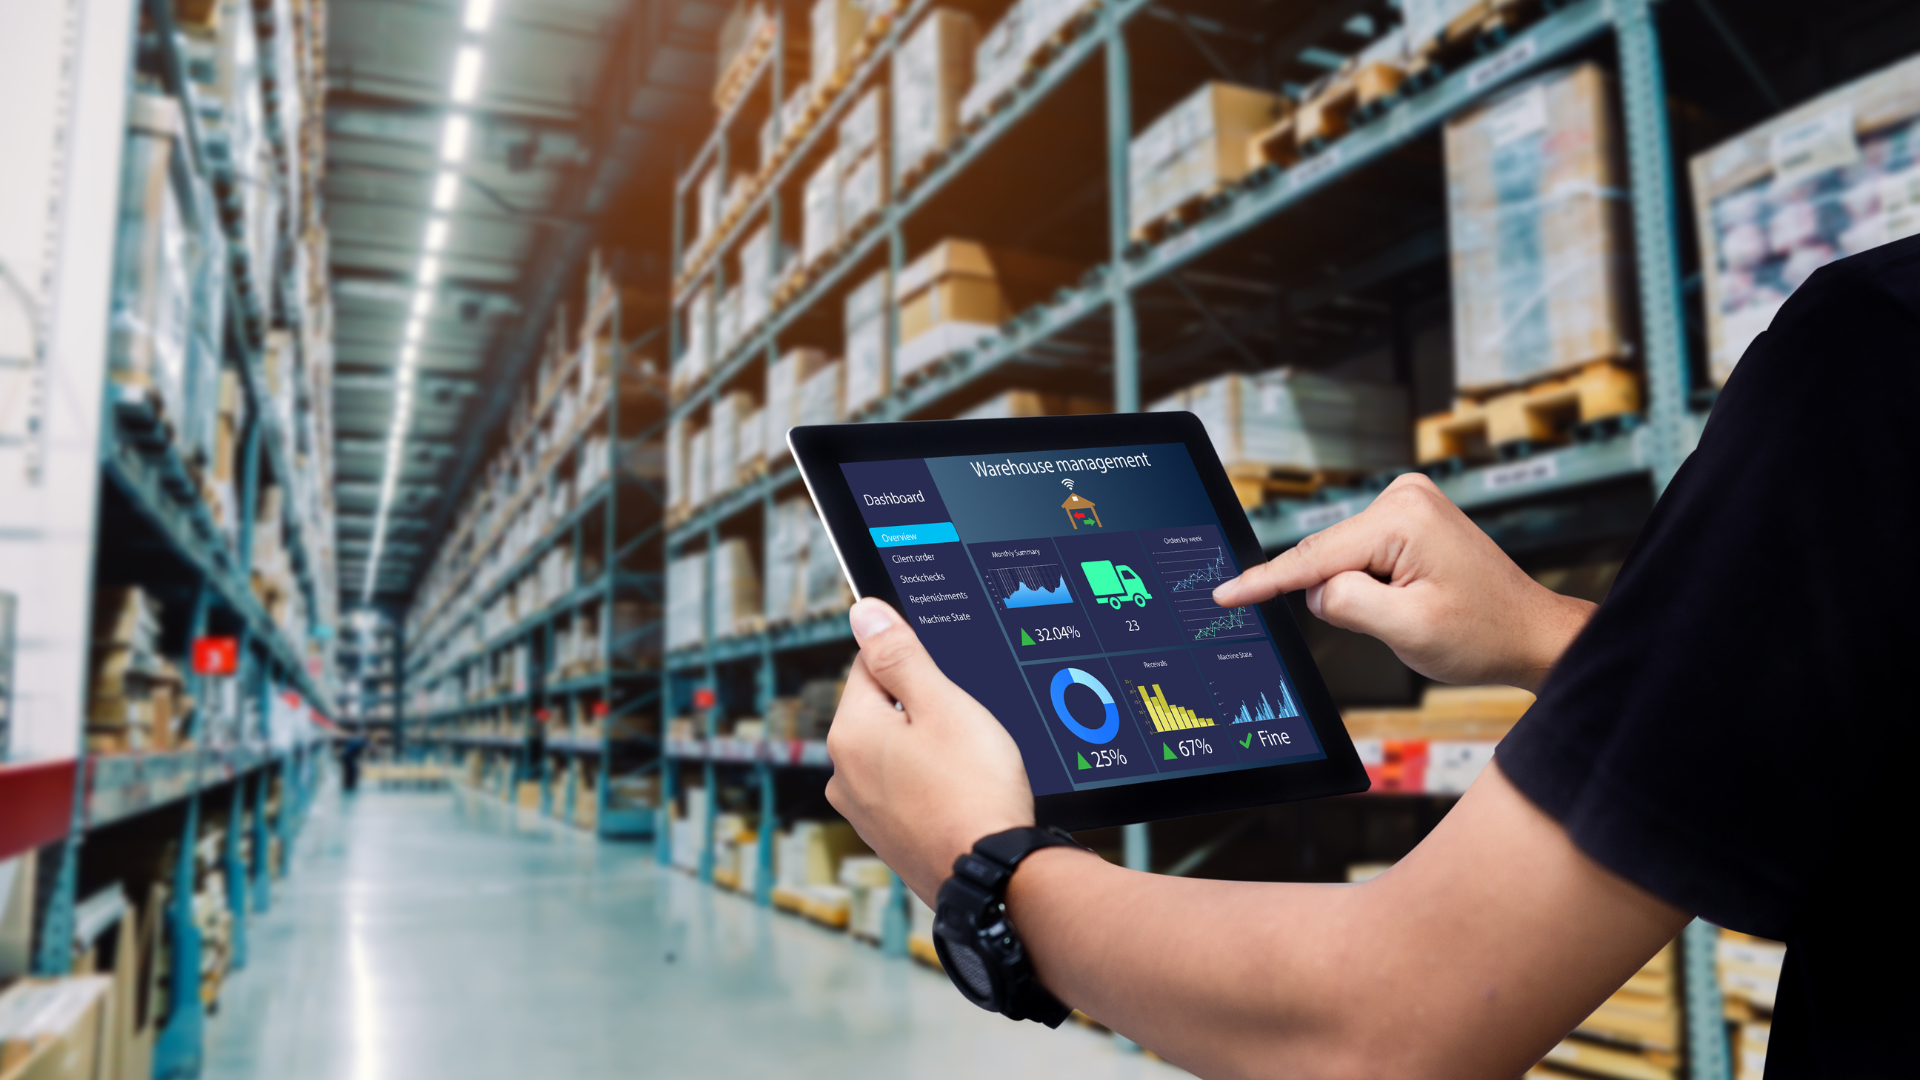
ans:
x=977 y=944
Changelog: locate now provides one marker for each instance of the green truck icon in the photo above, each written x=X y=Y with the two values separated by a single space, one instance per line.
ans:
x=1113 y=585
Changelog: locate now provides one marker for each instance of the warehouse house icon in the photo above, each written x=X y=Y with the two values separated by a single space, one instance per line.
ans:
x=1079 y=510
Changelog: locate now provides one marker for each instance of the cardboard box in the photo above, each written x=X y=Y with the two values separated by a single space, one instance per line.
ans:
x=736 y=589
x=1012 y=403
x=1538 y=233
x=860 y=129
x=837 y=26
x=50 y=1029
x=1195 y=148
x=869 y=372
x=784 y=379
x=948 y=298
x=932 y=69
x=823 y=395
x=863 y=191
x=1817 y=183
x=1004 y=51
x=820 y=211
x=1300 y=421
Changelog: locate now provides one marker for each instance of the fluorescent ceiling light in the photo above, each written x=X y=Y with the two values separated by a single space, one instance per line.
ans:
x=479 y=15
x=429 y=270
x=436 y=234
x=413 y=330
x=453 y=140
x=445 y=190
x=466 y=73
x=408 y=355
x=422 y=303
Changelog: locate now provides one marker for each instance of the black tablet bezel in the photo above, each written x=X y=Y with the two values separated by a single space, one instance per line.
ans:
x=821 y=449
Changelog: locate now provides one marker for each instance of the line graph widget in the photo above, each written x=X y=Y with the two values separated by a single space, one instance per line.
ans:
x=1262 y=712
x=1125 y=604
x=1189 y=563
x=1029 y=586
x=1178 y=715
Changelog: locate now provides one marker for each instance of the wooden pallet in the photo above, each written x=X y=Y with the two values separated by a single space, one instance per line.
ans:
x=1480 y=27
x=1257 y=482
x=1543 y=413
x=734 y=80
x=1189 y=210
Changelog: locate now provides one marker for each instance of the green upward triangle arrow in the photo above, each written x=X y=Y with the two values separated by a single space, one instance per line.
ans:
x=1166 y=752
x=1083 y=761
x=1025 y=638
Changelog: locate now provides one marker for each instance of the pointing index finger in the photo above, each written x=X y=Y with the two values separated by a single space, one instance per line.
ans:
x=1361 y=542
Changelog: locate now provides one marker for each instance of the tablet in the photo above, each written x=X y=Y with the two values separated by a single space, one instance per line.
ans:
x=1061 y=570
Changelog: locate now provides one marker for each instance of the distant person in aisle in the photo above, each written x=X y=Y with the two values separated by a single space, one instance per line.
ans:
x=1728 y=735
x=351 y=750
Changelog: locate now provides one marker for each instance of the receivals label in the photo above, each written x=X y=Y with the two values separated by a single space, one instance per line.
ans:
x=1531 y=471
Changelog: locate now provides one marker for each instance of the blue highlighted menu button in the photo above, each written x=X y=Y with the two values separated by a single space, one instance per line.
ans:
x=940 y=532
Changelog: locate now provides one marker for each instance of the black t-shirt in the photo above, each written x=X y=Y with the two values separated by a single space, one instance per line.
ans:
x=1734 y=730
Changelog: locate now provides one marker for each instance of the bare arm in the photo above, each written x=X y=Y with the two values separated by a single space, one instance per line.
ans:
x=1469 y=958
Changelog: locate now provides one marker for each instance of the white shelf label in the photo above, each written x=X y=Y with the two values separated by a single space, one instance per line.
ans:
x=1320 y=517
x=1520 y=473
x=1503 y=63
x=1314 y=168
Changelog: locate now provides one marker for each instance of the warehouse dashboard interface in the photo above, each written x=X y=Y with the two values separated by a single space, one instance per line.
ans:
x=1071 y=593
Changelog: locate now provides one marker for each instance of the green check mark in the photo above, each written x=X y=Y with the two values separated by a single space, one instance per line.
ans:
x=1247 y=742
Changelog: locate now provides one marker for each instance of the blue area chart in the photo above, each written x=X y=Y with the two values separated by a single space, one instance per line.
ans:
x=1267 y=710
x=1066 y=677
x=1017 y=593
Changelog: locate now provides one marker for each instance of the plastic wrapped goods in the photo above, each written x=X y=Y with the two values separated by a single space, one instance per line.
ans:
x=820 y=211
x=1831 y=178
x=822 y=395
x=729 y=410
x=736 y=589
x=1426 y=20
x=869 y=373
x=931 y=71
x=1538 y=231
x=836 y=30
x=153 y=290
x=759 y=268
x=686 y=600
x=1004 y=51
x=859 y=132
x=785 y=377
x=1295 y=420
x=692 y=363
x=824 y=588
x=863 y=189
x=786 y=547
x=1195 y=148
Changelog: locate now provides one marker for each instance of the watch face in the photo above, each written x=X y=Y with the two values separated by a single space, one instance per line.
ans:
x=966 y=967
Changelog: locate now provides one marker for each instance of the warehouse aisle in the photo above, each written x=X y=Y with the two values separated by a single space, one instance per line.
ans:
x=443 y=935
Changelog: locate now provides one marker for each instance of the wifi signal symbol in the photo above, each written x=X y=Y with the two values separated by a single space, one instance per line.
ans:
x=1068 y=481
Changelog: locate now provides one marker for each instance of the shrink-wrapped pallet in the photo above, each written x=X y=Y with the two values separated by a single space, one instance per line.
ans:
x=1195 y=149
x=723 y=450
x=931 y=71
x=824 y=588
x=836 y=25
x=786 y=552
x=736 y=589
x=1015 y=403
x=686 y=600
x=759 y=269
x=153 y=270
x=948 y=298
x=707 y=205
x=699 y=467
x=692 y=363
x=1005 y=50
x=1538 y=233
x=1830 y=178
x=785 y=377
x=823 y=395
x=728 y=323
x=1426 y=21
x=859 y=132
x=869 y=368
x=863 y=190
x=820 y=211
x=1293 y=420
x=749 y=444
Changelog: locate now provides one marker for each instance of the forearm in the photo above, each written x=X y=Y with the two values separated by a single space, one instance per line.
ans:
x=1222 y=978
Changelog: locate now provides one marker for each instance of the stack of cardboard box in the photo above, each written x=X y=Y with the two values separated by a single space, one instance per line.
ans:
x=1195 y=149
x=1537 y=232
x=932 y=69
x=1006 y=50
x=948 y=298
x=136 y=698
x=869 y=375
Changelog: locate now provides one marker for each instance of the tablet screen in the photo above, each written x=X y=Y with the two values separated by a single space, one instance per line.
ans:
x=1071 y=593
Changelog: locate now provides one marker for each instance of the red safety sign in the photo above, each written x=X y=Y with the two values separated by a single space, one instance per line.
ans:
x=703 y=698
x=216 y=655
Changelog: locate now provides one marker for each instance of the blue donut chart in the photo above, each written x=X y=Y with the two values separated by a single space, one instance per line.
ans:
x=1066 y=677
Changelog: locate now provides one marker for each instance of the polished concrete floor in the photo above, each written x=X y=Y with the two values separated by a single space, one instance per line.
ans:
x=430 y=935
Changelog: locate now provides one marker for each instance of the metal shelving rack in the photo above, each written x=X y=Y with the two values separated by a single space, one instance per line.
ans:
x=589 y=719
x=369 y=661
x=1535 y=501
x=152 y=528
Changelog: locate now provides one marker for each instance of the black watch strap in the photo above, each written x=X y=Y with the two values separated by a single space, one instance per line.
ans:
x=976 y=896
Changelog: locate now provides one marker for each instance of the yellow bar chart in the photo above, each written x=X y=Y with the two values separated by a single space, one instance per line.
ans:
x=1168 y=716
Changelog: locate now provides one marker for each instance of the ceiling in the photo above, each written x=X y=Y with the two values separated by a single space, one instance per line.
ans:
x=580 y=111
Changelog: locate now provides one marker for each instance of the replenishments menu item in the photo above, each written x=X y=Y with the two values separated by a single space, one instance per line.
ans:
x=1072 y=594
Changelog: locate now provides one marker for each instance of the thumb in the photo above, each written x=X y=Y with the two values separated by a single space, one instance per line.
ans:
x=893 y=654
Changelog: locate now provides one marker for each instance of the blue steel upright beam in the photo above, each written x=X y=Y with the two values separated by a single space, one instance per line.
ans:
x=236 y=872
x=262 y=893
x=180 y=1047
x=1643 y=94
x=1126 y=333
x=1708 y=1057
